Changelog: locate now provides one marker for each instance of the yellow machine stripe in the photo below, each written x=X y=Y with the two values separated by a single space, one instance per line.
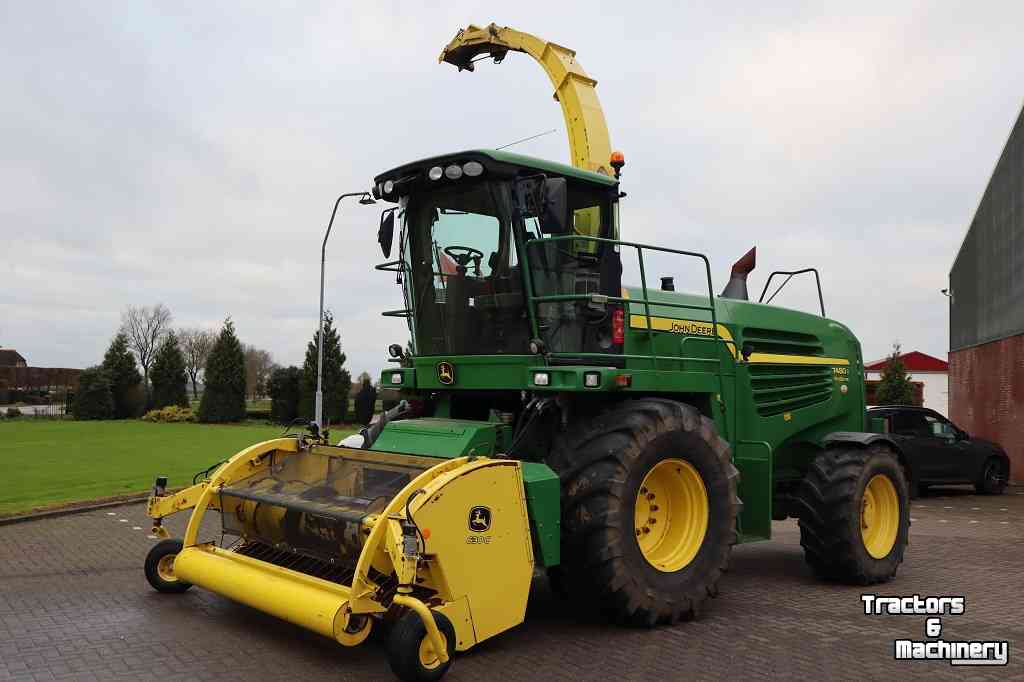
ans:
x=773 y=359
x=702 y=328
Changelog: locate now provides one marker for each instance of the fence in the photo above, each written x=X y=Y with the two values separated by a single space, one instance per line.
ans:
x=47 y=390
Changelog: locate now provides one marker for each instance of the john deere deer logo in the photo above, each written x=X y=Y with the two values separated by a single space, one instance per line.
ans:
x=446 y=373
x=479 y=519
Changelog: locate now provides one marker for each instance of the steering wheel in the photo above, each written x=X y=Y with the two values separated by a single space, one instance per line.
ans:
x=462 y=255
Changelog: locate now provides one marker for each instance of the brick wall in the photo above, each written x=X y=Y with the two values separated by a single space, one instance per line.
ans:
x=986 y=395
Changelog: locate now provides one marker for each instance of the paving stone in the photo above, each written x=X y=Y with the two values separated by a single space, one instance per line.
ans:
x=75 y=605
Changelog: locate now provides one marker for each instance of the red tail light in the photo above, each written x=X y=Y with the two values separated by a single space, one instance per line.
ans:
x=619 y=326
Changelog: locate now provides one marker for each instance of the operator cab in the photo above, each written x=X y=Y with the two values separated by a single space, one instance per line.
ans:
x=469 y=222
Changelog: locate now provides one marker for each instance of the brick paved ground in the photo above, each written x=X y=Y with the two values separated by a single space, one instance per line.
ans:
x=75 y=605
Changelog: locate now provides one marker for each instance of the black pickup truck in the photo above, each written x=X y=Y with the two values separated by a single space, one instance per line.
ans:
x=938 y=452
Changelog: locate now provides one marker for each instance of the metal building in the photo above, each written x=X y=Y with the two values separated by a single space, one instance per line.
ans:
x=986 y=320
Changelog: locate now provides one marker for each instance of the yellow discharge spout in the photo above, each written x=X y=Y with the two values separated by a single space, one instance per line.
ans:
x=589 y=145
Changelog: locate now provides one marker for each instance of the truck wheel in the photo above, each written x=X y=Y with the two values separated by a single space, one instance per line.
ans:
x=410 y=653
x=854 y=514
x=160 y=567
x=649 y=510
x=993 y=478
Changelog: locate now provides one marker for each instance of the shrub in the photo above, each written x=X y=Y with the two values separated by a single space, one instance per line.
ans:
x=93 y=400
x=13 y=412
x=170 y=415
x=224 y=396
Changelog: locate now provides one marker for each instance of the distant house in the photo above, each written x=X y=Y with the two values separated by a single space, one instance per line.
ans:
x=11 y=358
x=930 y=376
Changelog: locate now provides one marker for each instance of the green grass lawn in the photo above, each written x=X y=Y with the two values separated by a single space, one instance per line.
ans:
x=44 y=462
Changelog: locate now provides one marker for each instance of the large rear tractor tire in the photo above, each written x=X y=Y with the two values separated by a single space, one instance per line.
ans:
x=648 y=512
x=854 y=512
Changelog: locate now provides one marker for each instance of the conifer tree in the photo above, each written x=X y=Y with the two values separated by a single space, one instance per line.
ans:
x=895 y=387
x=123 y=376
x=168 y=375
x=224 y=396
x=285 y=392
x=93 y=398
x=337 y=380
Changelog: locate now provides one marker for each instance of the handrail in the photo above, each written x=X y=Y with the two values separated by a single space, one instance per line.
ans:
x=792 y=274
x=645 y=301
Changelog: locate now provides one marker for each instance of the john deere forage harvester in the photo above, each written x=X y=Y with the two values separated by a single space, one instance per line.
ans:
x=624 y=438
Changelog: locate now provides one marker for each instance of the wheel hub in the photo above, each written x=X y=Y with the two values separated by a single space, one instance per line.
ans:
x=428 y=656
x=879 y=516
x=165 y=568
x=671 y=515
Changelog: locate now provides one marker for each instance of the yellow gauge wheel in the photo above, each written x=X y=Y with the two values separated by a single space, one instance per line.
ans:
x=671 y=515
x=428 y=656
x=879 y=516
x=165 y=568
x=355 y=631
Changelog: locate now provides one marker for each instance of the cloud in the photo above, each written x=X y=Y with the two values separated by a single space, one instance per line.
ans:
x=158 y=153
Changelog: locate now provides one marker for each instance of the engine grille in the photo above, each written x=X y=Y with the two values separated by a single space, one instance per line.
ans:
x=782 y=342
x=781 y=388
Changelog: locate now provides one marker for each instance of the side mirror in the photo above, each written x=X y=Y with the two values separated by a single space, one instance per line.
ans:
x=386 y=233
x=553 y=203
x=963 y=435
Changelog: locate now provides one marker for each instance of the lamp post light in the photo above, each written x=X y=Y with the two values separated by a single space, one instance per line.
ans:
x=366 y=200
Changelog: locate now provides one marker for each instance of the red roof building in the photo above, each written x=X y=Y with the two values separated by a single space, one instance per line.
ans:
x=928 y=374
x=914 y=361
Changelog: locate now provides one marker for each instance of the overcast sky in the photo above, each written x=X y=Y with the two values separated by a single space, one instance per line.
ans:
x=189 y=153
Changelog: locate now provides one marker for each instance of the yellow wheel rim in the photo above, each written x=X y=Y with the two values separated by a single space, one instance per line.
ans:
x=879 y=516
x=165 y=568
x=671 y=515
x=428 y=657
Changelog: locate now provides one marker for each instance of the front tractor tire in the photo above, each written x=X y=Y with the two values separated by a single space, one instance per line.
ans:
x=854 y=513
x=649 y=511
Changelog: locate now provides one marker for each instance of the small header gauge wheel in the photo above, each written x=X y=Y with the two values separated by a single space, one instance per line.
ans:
x=160 y=567
x=411 y=653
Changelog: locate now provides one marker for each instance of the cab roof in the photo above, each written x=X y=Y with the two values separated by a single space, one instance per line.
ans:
x=496 y=163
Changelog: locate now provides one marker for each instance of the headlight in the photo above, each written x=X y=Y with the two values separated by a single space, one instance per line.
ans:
x=389 y=187
x=473 y=168
x=396 y=377
x=453 y=172
x=541 y=379
x=435 y=173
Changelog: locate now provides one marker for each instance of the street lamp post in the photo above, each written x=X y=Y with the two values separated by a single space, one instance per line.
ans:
x=366 y=200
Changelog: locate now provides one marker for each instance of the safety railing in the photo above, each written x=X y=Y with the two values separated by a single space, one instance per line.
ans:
x=536 y=299
x=790 y=275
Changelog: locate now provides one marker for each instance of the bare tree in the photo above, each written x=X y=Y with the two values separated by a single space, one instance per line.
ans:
x=258 y=366
x=146 y=327
x=195 y=344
